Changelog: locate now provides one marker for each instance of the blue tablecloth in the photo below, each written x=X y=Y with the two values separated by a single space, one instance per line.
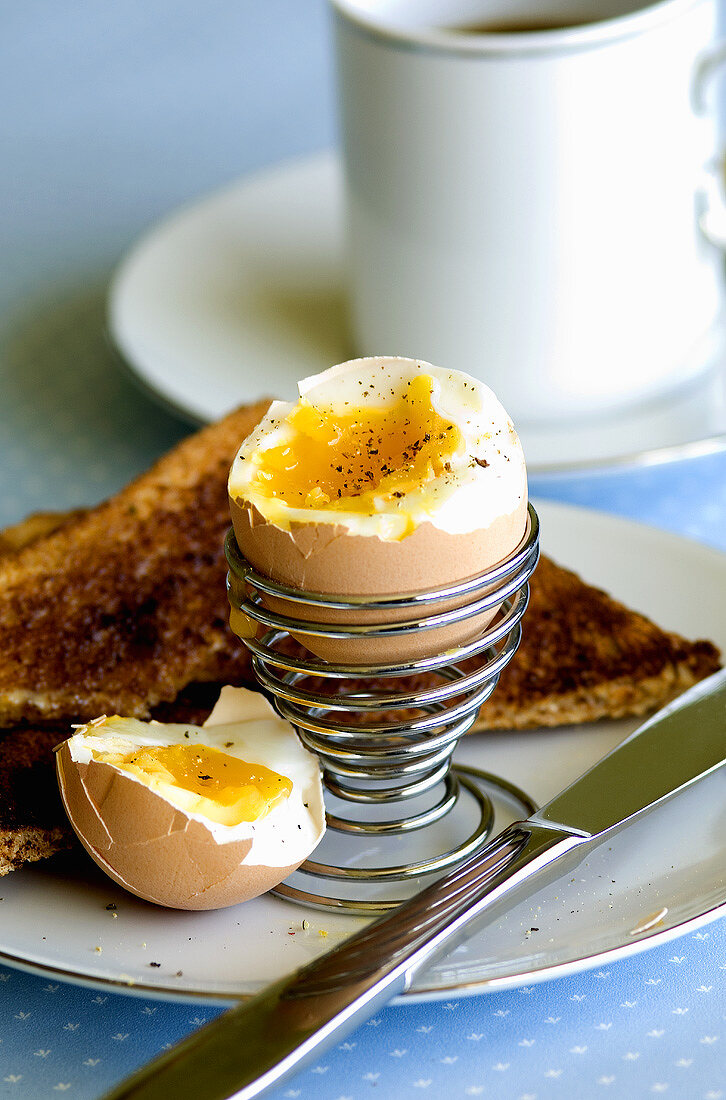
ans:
x=112 y=115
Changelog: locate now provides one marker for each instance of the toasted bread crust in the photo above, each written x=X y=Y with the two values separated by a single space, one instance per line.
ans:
x=35 y=527
x=123 y=608
x=585 y=656
x=32 y=823
x=28 y=845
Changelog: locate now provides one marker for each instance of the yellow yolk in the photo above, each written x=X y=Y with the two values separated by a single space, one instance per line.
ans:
x=343 y=461
x=204 y=780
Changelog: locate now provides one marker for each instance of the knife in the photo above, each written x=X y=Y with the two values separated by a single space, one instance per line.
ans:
x=256 y=1045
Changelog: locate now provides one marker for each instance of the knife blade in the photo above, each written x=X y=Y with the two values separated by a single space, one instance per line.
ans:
x=256 y=1045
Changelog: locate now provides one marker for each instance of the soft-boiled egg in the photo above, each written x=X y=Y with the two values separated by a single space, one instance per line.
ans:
x=387 y=477
x=194 y=817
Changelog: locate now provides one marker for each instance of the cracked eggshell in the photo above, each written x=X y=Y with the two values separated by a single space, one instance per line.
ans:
x=328 y=558
x=167 y=856
x=461 y=523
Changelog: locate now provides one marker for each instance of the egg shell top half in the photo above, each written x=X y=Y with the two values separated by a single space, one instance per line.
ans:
x=479 y=522
x=182 y=860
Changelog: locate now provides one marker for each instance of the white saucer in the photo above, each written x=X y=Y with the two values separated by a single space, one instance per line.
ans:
x=241 y=294
x=660 y=877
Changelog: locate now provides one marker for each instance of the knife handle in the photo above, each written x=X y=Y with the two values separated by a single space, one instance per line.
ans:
x=254 y=1046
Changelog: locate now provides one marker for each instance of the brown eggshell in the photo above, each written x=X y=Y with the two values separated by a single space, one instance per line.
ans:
x=151 y=848
x=326 y=558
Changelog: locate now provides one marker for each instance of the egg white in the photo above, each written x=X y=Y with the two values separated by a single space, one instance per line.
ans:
x=471 y=496
x=244 y=725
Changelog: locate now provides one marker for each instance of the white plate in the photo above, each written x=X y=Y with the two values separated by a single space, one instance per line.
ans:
x=53 y=918
x=238 y=296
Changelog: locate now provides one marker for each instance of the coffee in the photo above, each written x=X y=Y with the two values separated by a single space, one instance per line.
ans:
x=520 y=26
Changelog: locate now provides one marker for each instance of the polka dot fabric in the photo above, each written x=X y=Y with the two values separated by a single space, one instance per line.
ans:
x=650 y=1026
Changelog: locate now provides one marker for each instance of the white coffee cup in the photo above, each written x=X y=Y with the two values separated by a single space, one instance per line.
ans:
x=523 y=204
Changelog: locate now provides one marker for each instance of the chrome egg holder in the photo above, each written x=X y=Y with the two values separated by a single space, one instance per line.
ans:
x=385 y=734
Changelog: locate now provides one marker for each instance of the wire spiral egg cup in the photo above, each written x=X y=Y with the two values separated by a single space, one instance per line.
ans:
x=385 y=734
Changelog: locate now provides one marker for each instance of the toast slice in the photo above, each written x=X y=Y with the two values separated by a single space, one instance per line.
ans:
x=585 y=656
x=121 y=609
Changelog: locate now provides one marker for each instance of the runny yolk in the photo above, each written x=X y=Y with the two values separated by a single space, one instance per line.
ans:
x=344 y=460
x=204 y=780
